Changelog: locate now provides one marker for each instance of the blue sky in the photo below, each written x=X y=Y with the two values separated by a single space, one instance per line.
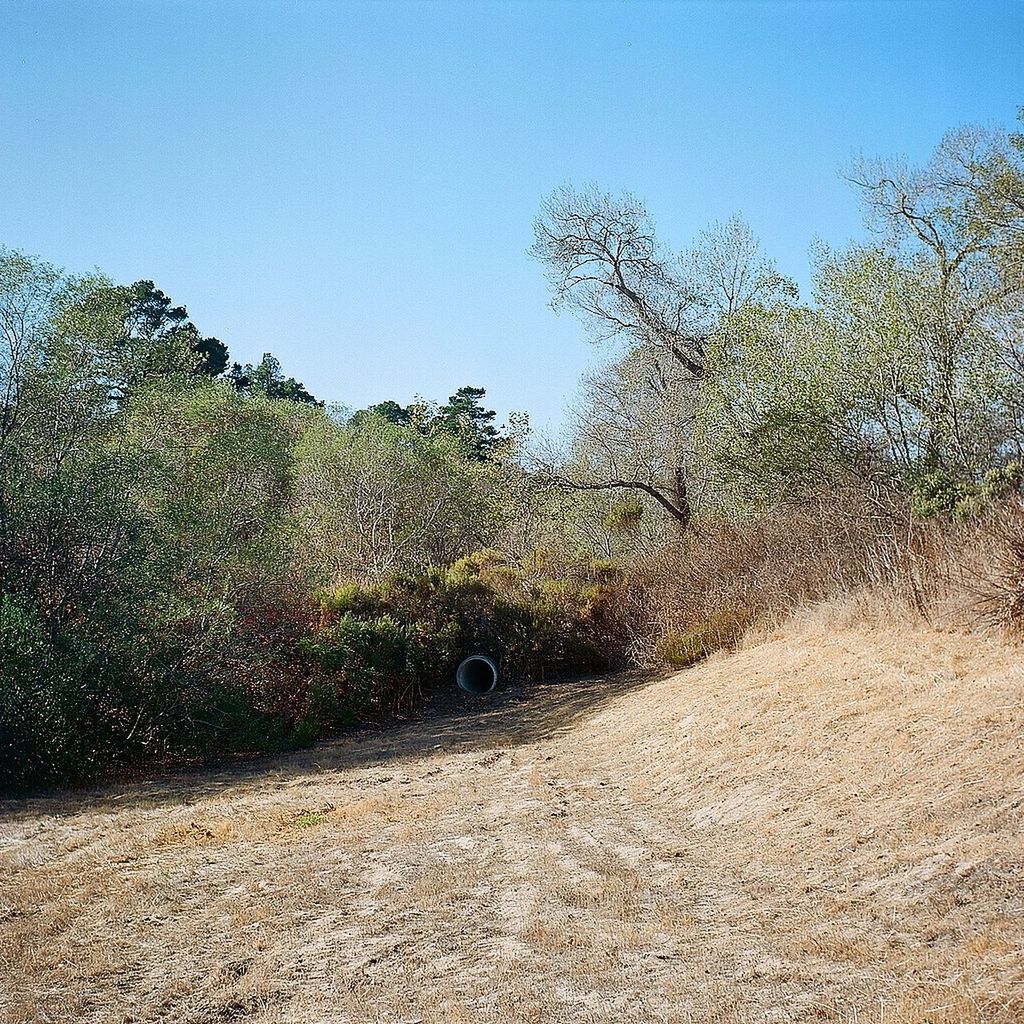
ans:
x=352 y=186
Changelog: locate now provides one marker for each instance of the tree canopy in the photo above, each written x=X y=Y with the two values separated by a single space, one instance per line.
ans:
x=463 y=417
x=267 y=378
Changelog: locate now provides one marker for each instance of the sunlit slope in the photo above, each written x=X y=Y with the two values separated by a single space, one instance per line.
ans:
x=855 y=799
x=825 y=825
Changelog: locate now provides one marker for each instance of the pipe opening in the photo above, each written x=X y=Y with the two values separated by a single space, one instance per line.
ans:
x=477 y=674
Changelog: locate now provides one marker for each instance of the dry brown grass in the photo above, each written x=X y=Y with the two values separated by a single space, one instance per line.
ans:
x=841 y=544
x=1000 y=591
x=822 y=826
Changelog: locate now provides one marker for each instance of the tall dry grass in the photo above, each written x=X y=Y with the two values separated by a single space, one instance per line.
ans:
x=1000 y=589
x=729 y=575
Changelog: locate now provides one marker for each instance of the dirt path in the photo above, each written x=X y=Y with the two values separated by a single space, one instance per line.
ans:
x=809 y=829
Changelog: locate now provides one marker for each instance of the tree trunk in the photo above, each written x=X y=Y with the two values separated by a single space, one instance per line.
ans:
x=681 y=500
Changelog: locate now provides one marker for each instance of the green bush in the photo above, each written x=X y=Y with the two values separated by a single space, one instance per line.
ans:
x=938 y=494
x=388 y=643
x=625 y=516
x=358 y=664
x=350 y=597
x=681 y=648
x=40 y=705
x=1003 y=480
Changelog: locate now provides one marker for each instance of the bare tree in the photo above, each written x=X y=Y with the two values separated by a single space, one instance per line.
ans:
x=603 y=261
x=729 y=273
x=632 y=430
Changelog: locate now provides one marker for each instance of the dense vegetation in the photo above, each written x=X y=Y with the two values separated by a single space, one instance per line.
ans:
x=198 y=557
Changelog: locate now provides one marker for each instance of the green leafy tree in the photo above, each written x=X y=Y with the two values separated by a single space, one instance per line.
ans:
x=390 y=410
x=768 y=426
x=377 y=498
x=28 y=292
x=950 y=246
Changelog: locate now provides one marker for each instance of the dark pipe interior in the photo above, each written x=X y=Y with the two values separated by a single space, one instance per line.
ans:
x=477 y=676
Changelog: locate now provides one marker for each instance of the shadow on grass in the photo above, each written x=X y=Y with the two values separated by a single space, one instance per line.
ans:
x=449 y=723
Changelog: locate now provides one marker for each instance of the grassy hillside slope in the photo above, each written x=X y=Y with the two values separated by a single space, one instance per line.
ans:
x=822 y=826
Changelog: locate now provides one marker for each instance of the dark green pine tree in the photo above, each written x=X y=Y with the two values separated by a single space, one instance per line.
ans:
x=267 y=378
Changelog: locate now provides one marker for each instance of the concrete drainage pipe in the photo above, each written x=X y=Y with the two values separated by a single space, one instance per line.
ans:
x=477 y=674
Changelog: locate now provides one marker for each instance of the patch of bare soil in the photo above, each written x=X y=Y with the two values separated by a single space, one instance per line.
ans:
x=824 y=826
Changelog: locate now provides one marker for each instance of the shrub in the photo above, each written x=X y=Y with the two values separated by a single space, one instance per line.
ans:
x=1001 y=592
x=39 y=713
x=535 y=620
x=362 y=663
x=625 y=516
x=1003 y=481
x=350 y=597
x=936 y=493
x=681 y=648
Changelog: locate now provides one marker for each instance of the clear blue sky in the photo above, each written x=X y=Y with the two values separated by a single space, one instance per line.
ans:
x=352 y=186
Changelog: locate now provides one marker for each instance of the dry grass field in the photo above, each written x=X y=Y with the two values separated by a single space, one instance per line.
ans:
x=824 y=825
